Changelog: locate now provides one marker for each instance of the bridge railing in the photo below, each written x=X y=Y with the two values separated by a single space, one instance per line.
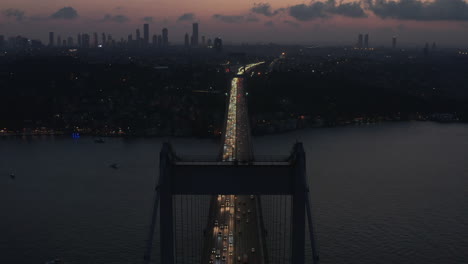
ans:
x=214 y=158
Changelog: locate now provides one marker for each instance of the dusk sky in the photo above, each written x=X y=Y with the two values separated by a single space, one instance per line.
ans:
x=328 y=22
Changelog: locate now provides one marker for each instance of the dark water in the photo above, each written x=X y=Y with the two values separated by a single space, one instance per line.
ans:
x=389 y=193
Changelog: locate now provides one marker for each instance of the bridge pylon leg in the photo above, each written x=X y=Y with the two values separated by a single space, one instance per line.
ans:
x=166 y=223
x=299 y=209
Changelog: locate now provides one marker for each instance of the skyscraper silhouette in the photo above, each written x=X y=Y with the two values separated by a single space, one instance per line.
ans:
x=394 y=42
x=359 y=44
x=146 y=34
x=51 y=39
x=165 y=37
x=95 y=44
x=218 y=44
x=366 y=41
x=186 y=40
x=195 y=34
x=79 y=40
x=70 y=42
x=138 y=36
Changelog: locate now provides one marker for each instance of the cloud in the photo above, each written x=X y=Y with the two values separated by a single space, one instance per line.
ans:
x=65 y=13
x=304 y=12
x=186 y=17
x=148 y=19
x=14 y=13
x=351 y=9
x=291 y=23
x=269 y=24
x=116 y=18
x=455 y=10
x=314 y=10
x=252 y=18
x=263 y=9
x=228 y=19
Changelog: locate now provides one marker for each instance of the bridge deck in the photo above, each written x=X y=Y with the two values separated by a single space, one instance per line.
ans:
x=234 y=233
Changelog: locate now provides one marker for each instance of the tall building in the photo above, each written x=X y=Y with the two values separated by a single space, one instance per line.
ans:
x=70 y=42
x=218 y=44
x=159 y=41
x=203 y=41
x=138 y=36
x=366 y=41
x=104 y=41
x=130 y=39
x=359 y=43
x=186 y=40
x=426 y=49
x=59 y=40
x=79 y=40
x=155 y=40
x=209 y=43
x=51 y=39
x=195 y=34
x=2 y=41
x=85 y=41
x=434 y=45
x=394 y=42
x=146 y=34
x=95 y=44
x=165 y=37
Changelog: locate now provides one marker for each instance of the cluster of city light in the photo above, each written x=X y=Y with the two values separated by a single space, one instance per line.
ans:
x=247 y=68
x=223 y=232
x=229 y=148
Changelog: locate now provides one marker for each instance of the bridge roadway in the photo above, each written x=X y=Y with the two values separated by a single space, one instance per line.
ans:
x=234 y=235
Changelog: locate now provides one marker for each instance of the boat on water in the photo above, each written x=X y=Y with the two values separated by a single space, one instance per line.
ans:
x=55 y=261
x=99 y=140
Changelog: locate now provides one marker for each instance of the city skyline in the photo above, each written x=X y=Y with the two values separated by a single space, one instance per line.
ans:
x=274 y=21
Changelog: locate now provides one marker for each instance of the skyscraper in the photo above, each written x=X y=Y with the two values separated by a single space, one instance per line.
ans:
x=103 y=39
x=203 y=41
x=195 y=34
x=138 y=36
x=155 y=40
x=186 y=42
x=85 y=41
x=209 y=43
x=159 y=41
x=79 y=40
x=2 y=41
x=59 y=40
x=394 y=42
x=95 y=44
x=366 y=41
x=218 y=44
x=359 y=43
x=70 y=42
x=165 y=37
x=51 y=39
x=146 y=33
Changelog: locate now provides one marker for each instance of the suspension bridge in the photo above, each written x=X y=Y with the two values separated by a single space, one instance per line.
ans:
x=235 y=207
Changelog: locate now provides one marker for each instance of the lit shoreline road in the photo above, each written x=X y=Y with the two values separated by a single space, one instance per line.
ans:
x=234 y=236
